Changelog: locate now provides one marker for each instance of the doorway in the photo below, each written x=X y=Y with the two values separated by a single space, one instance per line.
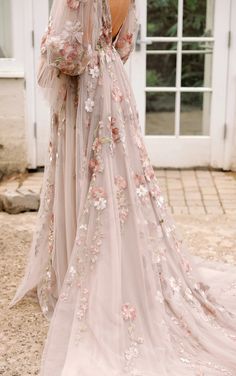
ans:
x=179 y=75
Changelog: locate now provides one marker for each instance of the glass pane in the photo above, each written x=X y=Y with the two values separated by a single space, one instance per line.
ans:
x=195 y=113
x=161 y=70
x=198 y=18
x=162 y=17
x=197 y=64
x=160 y=113
x=5 y=29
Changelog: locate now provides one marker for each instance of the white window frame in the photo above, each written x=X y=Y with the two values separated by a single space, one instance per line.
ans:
x=14 y=67
x=212 y=146
x=230 y=119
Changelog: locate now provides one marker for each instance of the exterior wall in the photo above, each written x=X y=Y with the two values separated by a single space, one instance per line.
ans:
x=13 y=155
x=234 y=154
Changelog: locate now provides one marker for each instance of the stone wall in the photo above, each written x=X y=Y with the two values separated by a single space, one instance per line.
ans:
x=13 y=155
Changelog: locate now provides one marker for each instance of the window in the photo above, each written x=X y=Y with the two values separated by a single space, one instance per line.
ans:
x=179 y=66
x=5 y=29
x=11 y=38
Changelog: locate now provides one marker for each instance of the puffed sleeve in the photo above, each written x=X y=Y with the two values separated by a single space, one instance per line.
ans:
x=67 y=42
x=67 y=46
x=126 y=39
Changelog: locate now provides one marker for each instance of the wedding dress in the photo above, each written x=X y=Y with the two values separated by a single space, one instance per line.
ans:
x=112 y=275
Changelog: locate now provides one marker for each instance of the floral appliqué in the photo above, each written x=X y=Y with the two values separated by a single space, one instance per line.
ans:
x=74 y=4
x=124 y=45
x=115 y=132
x=89 y=105
x=99 y=198
x=121 y=185
x=117 y=94
x=141 y=188
x=65 y=49
x=133 y=352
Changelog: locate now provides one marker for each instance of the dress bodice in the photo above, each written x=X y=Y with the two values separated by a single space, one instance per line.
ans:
x=119 y=10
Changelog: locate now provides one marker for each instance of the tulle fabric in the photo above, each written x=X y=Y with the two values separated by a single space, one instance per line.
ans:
x=123 y=295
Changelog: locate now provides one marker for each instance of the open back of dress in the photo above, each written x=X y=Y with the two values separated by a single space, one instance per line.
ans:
x=119 y=10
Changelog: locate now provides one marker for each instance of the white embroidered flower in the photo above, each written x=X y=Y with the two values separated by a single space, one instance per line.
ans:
x=100 y=203
x=156 y=257
x=160 y=201
x=94 y=72
x=83 y=227
x=141 y=191
x=89 y=105
x=132 y=352
x=159 y=297
x=174 y=285
x=72 y=271
x=108 y=58
x=188 y=294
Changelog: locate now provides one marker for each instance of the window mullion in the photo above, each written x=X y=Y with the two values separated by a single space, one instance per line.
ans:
x=179 y=67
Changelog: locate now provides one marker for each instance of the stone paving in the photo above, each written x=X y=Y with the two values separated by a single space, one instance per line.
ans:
x=198 y=191
x=186 y=191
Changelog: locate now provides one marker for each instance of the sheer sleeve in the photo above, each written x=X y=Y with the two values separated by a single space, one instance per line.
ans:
x=67 y=44
x=126 y=38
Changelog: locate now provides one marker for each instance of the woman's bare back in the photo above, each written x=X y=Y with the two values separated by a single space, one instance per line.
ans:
x=119 y=11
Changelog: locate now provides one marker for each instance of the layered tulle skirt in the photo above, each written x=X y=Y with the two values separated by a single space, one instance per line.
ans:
x=123 y=295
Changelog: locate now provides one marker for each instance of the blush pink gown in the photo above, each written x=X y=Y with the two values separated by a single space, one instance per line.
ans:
x=122 y=294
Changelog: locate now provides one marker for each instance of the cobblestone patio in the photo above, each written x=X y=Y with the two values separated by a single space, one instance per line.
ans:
x=204 y=207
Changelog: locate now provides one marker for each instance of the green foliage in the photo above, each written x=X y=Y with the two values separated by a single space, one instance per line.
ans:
x=162 y=17
x=162 y=21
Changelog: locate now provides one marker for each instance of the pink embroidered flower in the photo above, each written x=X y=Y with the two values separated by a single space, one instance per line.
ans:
x=114 y=130
x=94 y=165
x=186 y=265
x=98 y=194
x=97 y=145
x=149 y=172
x=120 y=182
x=155 y=191
x=128 y=312
x=115 y=134
x=124 y=41
x=124 y=45
x=123 y=214
x=73 y=4
x=117 y=94
x=139 y=179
